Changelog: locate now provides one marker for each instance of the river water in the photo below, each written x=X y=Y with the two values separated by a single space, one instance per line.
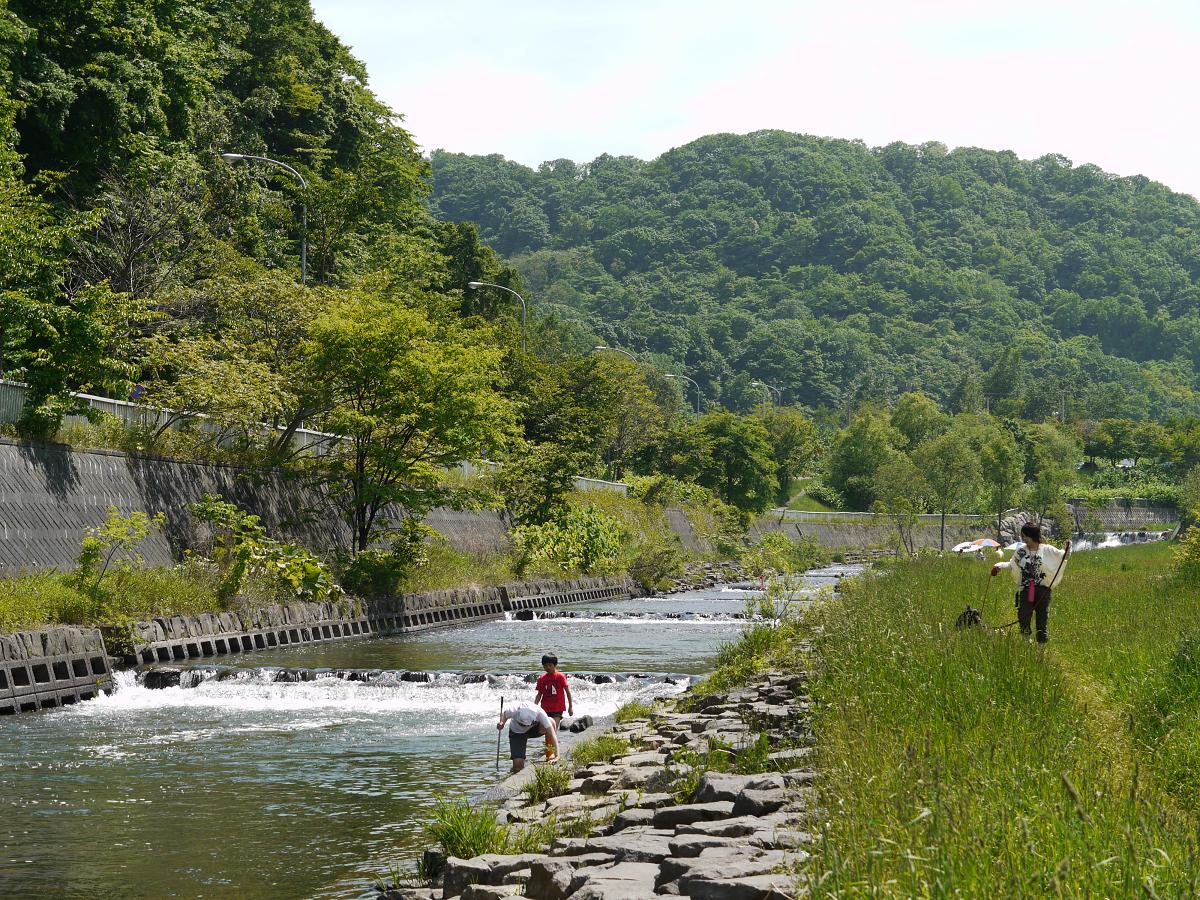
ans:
x=250 y=787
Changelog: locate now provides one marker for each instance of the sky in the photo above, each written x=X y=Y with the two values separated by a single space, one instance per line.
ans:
x=1103 y=82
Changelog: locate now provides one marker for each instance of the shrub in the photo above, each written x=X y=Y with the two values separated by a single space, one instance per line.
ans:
x=382 y=573
x=241 y=550
x=582 y=539
x=776 y=552
x=825 y=494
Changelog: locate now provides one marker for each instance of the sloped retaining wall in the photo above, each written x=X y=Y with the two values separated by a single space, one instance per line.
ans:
x=438 y=609
x=52 y=667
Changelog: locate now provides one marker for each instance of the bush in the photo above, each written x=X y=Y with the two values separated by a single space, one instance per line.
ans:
x=775 y=552
x=582 y=539
x=382 y=573
x=825 y=494
x=599 y=749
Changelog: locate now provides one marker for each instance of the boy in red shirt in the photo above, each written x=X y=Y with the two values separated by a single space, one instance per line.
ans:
x=553 y=693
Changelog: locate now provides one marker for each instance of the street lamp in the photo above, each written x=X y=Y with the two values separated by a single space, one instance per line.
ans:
x=693 y=384
x=775 y=392
x=618 y=350
x=476 y=285
x=232 y=158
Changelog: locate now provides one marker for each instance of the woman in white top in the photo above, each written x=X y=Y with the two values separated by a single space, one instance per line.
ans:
x=1037 y=569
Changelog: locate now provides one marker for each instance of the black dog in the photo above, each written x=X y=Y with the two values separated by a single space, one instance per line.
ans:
x=969 y=618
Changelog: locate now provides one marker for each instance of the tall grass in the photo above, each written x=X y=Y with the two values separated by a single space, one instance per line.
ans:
x=549 y=780
x=978 y=764
x=604 y=748
x=631 y=711
x=38 y=599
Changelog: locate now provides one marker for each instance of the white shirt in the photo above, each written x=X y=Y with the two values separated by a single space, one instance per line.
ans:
x=524 y=715
x=1039 y=565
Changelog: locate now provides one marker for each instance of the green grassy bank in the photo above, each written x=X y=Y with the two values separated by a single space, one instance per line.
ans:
x=977 y=764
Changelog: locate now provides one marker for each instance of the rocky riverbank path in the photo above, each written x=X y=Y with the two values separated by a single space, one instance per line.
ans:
x=663 y=820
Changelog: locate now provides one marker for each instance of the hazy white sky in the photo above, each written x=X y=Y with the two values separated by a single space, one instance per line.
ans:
x=1113 y=83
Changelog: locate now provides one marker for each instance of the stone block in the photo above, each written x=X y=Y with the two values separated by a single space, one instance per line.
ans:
x=671 y=816
x=752 y=887
x=618 y=881
x=461 y=872
x=759 y=803
x=719 y=786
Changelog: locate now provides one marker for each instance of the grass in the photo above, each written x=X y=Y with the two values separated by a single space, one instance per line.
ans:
x=632 y=711
x=549 y=780
x=445 y=567
x=978 y=764
x=38 y=599
x=598 y=749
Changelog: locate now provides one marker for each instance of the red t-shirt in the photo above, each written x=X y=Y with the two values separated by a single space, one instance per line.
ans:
x=552 y=689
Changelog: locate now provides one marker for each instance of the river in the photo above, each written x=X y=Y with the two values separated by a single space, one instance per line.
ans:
x=251 y=787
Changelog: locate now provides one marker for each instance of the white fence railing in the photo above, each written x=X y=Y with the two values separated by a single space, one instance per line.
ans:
x=12 y=403
x=796 y=515
x=304 y=440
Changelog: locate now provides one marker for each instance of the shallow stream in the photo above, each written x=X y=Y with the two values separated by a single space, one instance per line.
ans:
x=251 y=787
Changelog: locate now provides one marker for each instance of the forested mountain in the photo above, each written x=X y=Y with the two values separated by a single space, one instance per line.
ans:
x=843 y=272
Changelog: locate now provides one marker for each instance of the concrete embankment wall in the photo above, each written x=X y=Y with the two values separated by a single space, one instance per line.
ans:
x=1123 y=515
x=49 y=494
x=183 y=638
x=868 y=534
x=51 y=667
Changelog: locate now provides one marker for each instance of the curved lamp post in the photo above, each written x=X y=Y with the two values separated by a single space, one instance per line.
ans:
x=618 y=350
x=693 y=384
x=232 y=158
x=476 y=285
x=776 y=393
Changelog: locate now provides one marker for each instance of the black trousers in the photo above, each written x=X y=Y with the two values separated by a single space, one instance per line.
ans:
x=1040 y=607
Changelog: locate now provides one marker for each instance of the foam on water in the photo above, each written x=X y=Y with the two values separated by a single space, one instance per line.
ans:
x=386 y=694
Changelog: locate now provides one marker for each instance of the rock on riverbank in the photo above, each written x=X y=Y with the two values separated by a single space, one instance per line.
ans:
x=667 y=823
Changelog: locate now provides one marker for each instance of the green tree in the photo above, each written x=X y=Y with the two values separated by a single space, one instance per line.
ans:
x=795 y=445
x=1002 y=469
x=900 y=494
x=951 y=470
x=1052 y=460
x=731 y=456
x=409 y=397
x=918 y=418
x=857 y=453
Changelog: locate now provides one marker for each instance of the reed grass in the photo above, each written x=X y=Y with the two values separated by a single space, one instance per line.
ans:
x=976 y=763
x=549 y=780
x=598 y=749
x=632 y=711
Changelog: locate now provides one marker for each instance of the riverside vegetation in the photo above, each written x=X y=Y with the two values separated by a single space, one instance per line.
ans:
x=974 y=763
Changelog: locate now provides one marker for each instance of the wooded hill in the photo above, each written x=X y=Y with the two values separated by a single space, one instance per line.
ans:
x=844 y=272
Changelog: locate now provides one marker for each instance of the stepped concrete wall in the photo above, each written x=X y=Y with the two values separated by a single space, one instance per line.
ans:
x=52 y=667
x=866 y=535
x=49 y=494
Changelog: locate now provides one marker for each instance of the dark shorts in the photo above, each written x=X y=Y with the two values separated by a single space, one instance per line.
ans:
x=556 y=716
x=518 y=740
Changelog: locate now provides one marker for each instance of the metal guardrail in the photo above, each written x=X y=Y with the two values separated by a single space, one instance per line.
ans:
x=305 y=440
x=12 y=403
x=796 y=515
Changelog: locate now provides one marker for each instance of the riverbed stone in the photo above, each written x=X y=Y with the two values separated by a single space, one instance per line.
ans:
x=752 y=887
x=630 y=818
x=618 y=881
x=720 y=786
x=490 y=891
x=635 y=760
x=633 y=845
x=461 y=872
x=759 y=803
x=671 y=816
x=690 y=846
x=739 y=826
